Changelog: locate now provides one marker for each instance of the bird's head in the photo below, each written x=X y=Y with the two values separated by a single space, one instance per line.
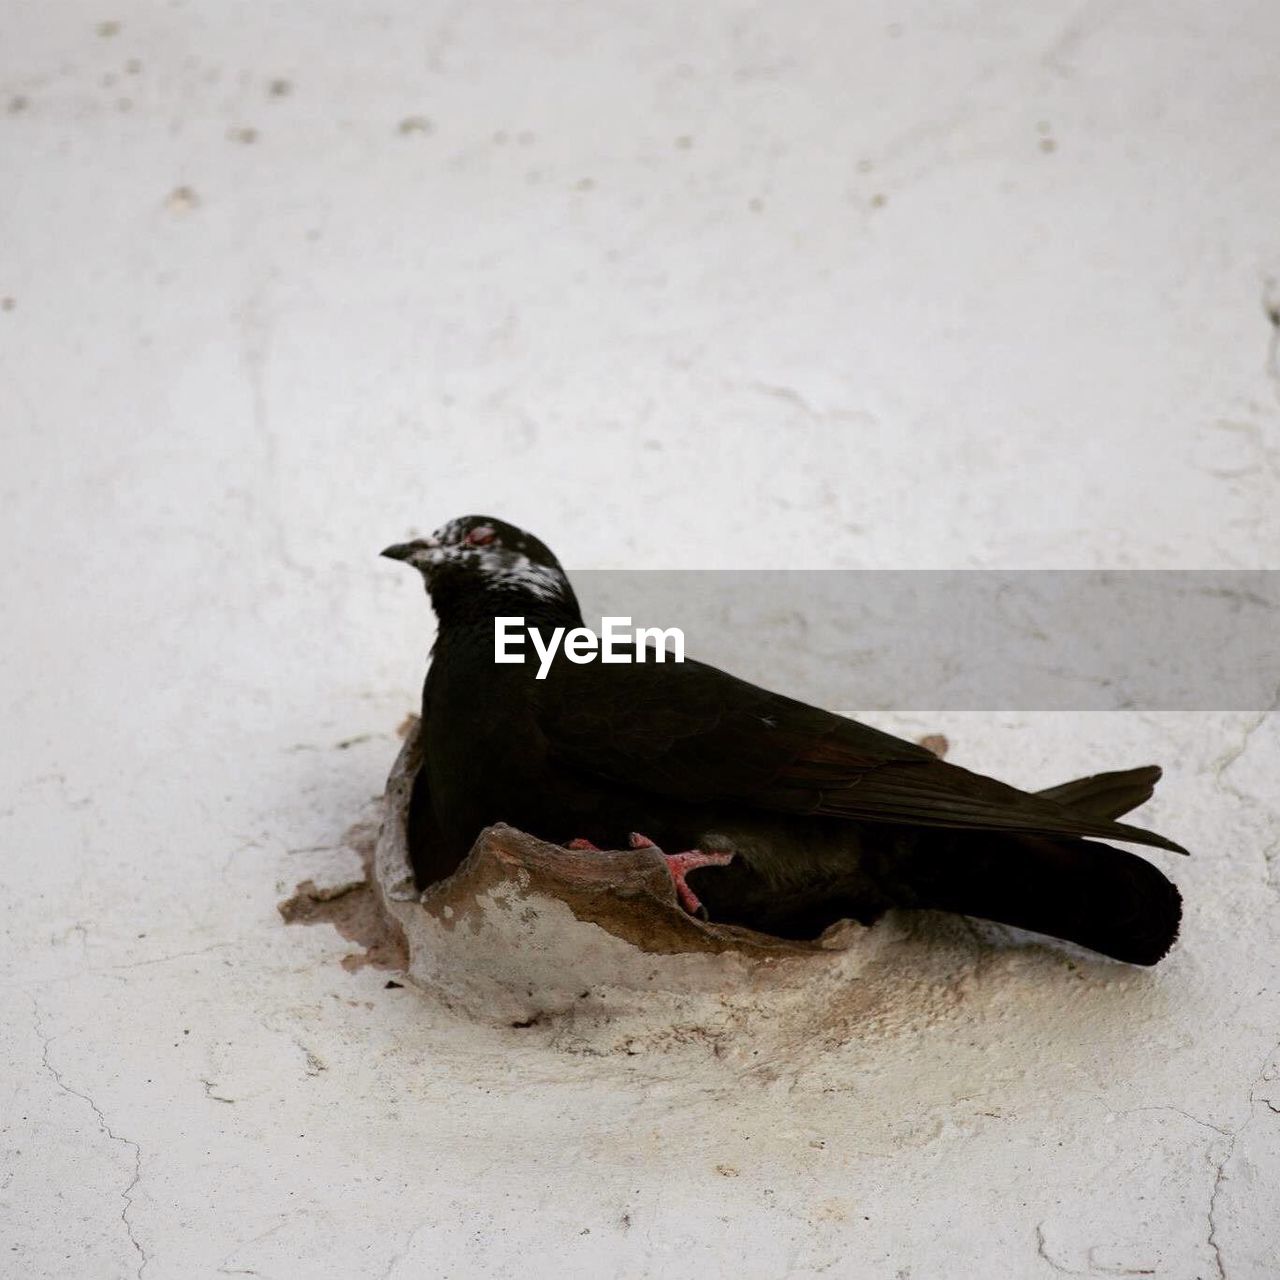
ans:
x=477 y=567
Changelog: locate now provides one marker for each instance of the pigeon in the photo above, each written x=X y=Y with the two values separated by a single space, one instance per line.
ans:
x=779 y=816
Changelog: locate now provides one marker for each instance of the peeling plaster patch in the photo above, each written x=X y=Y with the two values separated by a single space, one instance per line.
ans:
x=1234 y=449
x=1119 y=1260
x=354 y=910
x=182 y=200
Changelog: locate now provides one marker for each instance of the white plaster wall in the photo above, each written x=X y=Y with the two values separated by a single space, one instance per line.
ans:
x=830 y=284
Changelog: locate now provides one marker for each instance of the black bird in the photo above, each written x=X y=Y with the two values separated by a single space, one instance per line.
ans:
x=793 y=817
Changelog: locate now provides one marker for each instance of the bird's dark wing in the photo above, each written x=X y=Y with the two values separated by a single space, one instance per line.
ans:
x=695 y=733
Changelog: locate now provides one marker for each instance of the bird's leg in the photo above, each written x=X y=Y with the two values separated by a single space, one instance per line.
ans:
x=680 y=864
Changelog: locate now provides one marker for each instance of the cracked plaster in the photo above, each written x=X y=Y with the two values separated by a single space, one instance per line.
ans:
x=743 y=286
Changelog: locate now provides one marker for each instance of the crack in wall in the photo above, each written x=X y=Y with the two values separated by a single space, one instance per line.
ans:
x=1230 y=757
x=798 y=400
x=1204 y=1124
x=1271 y=307
x=1219 y=1177
x=1220 y=1170
x=256 y=333
x=209 y=1087
x=1081 y=26
x=127 y=1194
x=1043 y=1252
x=1224 y=764
x=1271 y=855
x=177 y=955
x=398 y=1256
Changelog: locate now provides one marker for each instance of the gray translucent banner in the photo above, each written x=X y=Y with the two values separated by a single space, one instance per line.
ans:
x=972 y=640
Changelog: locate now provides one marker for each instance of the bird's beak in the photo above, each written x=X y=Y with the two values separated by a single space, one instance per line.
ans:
x=409 y=551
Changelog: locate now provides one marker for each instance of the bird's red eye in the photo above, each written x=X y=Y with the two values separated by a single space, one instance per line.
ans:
x=480 y=536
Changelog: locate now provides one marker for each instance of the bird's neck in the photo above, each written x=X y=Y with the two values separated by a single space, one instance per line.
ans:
x=556 y=607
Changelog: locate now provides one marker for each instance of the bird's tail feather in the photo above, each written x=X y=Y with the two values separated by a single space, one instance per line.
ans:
x=1107 y=795
x=1106 y=899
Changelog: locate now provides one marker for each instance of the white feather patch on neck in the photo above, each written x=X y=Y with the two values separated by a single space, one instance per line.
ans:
x=520 y=573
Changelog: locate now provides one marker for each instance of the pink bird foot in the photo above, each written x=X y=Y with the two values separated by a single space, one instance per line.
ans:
x=680 y=864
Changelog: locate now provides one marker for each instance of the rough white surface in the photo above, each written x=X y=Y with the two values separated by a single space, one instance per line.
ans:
x=836 y=285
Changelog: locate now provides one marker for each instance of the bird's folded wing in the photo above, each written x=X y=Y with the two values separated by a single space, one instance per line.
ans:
x=693 y=732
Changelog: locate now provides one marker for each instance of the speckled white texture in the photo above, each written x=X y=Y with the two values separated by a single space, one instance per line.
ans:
x=673 y=285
